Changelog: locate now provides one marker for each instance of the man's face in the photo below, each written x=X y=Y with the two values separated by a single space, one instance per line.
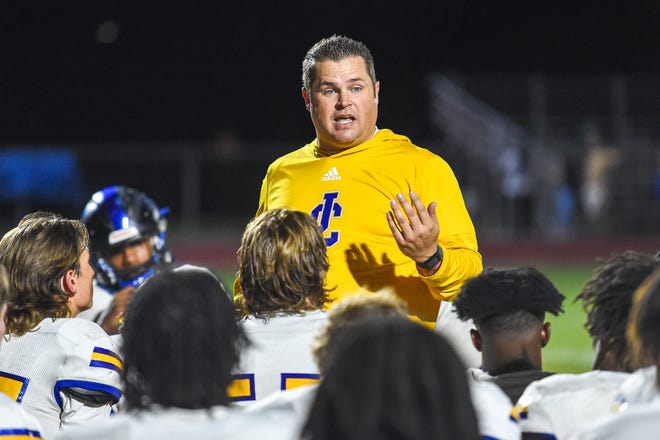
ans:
x=343 y=104
x=134 y=255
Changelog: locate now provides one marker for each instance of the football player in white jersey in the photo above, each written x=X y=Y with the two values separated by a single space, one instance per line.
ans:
x=491 y=405
x=62 y=370
x=128 y=244
x=508 y=307
x=14 y=420
x=638 y=405
x=280 y=291
x=281 y=415
x=564 y=403
x=181 y=342
x=643 y=384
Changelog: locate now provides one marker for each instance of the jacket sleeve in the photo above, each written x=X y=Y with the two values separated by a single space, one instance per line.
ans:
x=461 y=258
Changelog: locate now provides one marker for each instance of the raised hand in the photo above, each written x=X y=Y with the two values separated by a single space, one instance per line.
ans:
x=414 y=226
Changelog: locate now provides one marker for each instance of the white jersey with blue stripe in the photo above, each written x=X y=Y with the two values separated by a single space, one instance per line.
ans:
x=60 y=354
x=280 y=356
x=279 y=416
x=158 y=423
x=15 y=422
x=561 y=404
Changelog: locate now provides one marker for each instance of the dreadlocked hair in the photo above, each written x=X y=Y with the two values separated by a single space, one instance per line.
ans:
x=512 y=298
x=607 y=297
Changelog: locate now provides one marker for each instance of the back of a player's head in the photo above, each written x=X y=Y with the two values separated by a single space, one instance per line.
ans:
x=392 y=378
x=37 y=253
x=607 y=298
x=283 y=262
x=181 y=341
x=643 y=332
x=353 y=309
x=509 y=300
x=335 y=48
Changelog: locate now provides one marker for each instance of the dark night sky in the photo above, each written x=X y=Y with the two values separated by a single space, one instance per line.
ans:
x=183 y=71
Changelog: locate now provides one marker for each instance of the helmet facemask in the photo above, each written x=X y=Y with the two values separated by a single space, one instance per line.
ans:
x=117 y=217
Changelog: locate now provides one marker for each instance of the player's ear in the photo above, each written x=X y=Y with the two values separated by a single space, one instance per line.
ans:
x=69 y=282
x=476 y=338
x=546 y=329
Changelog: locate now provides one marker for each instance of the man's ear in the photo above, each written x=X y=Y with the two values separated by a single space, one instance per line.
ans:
x=476 y=338
x=306 y=98
x=545 y=334
x=69 y=282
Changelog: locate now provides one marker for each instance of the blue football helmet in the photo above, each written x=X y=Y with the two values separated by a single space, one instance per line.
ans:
x=117 y=216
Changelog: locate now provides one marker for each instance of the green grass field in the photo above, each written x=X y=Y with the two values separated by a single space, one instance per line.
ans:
x=569 y=350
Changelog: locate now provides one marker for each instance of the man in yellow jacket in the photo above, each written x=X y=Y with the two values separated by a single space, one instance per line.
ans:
x=392 y=213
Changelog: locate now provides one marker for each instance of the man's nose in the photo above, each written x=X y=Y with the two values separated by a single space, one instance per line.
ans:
x=343 y=100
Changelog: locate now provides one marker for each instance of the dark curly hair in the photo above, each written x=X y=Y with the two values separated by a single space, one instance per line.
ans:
x=181 y=341
x=508 y=299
